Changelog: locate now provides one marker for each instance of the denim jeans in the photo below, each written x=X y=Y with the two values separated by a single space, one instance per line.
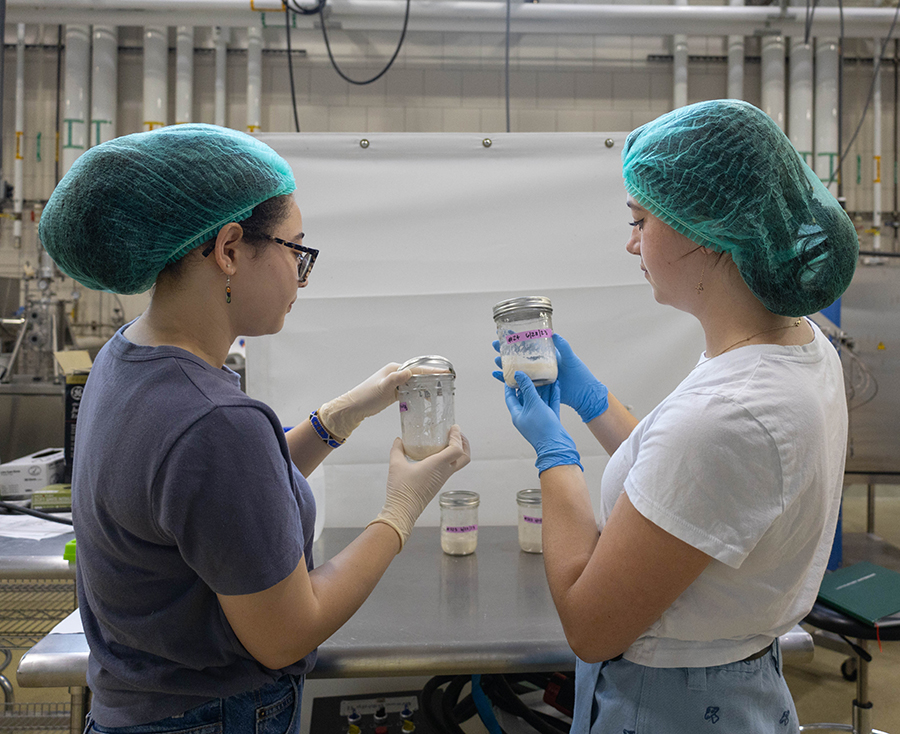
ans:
x=272 y=709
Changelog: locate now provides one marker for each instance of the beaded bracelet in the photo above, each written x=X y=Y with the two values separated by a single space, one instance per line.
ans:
x=323 y=433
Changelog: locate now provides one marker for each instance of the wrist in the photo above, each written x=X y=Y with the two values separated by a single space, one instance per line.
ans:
x=336 y=419
x=322 y=431
x=551 y=459
x=595 y=403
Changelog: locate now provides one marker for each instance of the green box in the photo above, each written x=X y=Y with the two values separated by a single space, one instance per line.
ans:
x=52 y=497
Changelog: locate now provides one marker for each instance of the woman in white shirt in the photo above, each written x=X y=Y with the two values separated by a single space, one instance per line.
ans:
x=718 y=509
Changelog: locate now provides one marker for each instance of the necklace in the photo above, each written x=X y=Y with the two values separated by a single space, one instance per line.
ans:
x=793 y=325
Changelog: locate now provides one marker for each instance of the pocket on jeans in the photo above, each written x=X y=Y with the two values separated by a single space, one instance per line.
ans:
x=276 y=718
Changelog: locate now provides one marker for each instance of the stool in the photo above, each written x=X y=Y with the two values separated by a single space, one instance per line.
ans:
x=827 y=619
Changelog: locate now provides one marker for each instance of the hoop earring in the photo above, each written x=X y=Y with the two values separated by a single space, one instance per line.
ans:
x=699 y=286
x=228 y=289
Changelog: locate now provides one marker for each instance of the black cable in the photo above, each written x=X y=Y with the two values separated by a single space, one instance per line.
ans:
x=431 y=710
x=871 y=93
x=501 y=694
x=320 y=10
x=287 y=28
x=34 y=513
x=448 y=703
x=809 y=19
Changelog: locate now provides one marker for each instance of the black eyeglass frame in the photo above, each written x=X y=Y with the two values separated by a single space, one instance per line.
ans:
x=304 y=264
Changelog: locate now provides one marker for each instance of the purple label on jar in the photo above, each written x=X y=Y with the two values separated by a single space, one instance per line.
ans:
x=461 y=529
x=535 y=520
x=403 y=407
x=526 y=335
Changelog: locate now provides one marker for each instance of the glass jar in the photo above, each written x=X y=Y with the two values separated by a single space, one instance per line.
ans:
x=459 y=522
x=524 y=328
x=530 y=519
x=426 y=406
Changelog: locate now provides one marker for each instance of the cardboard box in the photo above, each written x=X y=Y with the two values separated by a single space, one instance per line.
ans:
x=20 y=477
x=52 y=497
x=75 y=365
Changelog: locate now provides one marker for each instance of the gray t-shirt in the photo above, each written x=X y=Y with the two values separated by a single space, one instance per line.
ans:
x=183 y=487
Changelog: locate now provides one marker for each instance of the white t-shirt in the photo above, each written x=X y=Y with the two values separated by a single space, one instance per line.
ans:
x=744 y=461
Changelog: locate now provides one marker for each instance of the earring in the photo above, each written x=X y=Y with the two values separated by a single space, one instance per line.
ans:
x=699 y=286
x=228 y=290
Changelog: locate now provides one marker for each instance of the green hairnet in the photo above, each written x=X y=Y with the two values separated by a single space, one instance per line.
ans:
x=723 y=174
x=130 y=206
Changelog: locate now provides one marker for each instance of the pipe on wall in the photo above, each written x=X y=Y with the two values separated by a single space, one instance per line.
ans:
x=156 y=77
x=800 y=107
x=736 y=61
x=220 y=37
x=773 y=69
x=826 y=111
x=19 y=160
x=254 y=78
x=184 y=73
x=473 y=16
x=876 y=148
x=680 y=66
x=74 y=133
x=104 y=83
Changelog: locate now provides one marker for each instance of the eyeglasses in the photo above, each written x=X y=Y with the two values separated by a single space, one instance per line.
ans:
x=305 y=259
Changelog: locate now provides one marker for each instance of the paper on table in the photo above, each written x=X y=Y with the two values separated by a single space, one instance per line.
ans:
x=26 y=526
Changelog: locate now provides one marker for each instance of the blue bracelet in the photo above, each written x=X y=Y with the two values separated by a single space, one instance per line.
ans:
x=323 y=433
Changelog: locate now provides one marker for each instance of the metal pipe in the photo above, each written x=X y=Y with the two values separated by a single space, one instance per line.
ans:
x=19 y=162
x=472 y=16
x=826 y=106
x=156 y=76
x=75 y=112
x=104 y=83
x=680 y=65
x=800 y=96
x=254 y=78
x=220 y=36
x=184 y=74
x=736 y=61
x=773 y=78
x=876 y=148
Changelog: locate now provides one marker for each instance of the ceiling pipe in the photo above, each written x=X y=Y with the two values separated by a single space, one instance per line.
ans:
x=184 y=73
x=736 y=61
x=468 y=16
x=680 y=65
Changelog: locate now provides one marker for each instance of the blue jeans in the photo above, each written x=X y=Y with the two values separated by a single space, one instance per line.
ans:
x=272 y=709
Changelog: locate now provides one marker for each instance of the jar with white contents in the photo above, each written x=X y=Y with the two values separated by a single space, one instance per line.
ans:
x=459 y=522
x=525 y=330
x=530 y=520
x=427 y=406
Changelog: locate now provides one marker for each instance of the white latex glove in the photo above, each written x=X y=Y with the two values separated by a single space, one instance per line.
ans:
x=343 y=414
x=412 y=485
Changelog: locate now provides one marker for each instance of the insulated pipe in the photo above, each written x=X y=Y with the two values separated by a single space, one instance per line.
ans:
x=19 y=161
x=220 y=36
x=876 y=148
x=473 y=16
x=773 y=78
x=826 y=111
x=156 y=76
x=254 y=78
x=74 y=131
x=104 y=83
x=800 y=100
x=680 y=66
x=736 y=61
x=184 y=73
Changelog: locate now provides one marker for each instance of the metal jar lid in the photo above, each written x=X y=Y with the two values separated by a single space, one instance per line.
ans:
x=522 y=303
x=431 y=363
x=459 y=498
x=528 y=497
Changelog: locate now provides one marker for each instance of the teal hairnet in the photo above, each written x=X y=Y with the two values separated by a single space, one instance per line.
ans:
x=130 y=206
x=724 y=175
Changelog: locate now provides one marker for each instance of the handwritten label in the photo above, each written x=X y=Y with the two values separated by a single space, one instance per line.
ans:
x=461 y=529
x=403 y=407
x=526 y=335
x=534 y=520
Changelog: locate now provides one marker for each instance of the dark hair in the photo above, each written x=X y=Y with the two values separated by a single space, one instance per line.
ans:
x=265 y=217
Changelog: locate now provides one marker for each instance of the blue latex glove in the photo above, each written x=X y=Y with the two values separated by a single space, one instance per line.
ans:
x=578 y=388
x=536 y=416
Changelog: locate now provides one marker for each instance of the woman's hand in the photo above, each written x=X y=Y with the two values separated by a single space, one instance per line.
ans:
x=535 y=414
x=412 y=485
x=344 y=414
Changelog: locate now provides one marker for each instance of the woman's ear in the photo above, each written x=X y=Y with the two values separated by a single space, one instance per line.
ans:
x=227 y=246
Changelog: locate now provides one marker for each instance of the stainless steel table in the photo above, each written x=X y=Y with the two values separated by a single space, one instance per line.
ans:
x=490 y=612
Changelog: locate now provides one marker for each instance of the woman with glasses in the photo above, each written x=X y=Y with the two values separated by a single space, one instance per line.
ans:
x=718 y=509
x=196 y=584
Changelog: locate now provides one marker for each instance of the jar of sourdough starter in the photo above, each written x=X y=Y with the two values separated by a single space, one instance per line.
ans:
x=426 y=406
x=524 y=328
x=459 y=522
x=530 y=518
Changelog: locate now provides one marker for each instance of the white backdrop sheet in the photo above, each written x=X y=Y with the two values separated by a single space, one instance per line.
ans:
x=420 y=235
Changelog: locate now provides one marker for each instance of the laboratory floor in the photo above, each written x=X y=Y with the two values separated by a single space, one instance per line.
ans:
x=820 y=691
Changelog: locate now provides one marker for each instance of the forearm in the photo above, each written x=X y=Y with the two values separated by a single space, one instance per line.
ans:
x=613 y=426
x=307 y=449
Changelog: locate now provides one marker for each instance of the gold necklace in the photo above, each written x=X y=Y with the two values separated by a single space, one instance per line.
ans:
x=794 y=325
